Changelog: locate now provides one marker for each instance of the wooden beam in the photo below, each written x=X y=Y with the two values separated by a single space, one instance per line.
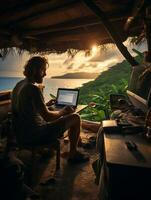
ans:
x=148 y=27
x=73 y=37
x=36 y=11
x=14 y=11
x=95 y=31
x=111 y=31
x=31 y=13
x=137 y=8
x=71 y=25
x=12 y=7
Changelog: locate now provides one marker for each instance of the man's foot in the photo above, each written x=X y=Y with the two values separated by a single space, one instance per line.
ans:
x=78 y=158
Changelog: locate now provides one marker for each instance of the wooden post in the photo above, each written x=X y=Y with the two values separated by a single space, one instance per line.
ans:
x=111 y=31
x=137 y=8
x=148 y=27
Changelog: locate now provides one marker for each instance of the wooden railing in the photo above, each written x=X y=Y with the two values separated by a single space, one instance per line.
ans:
x=5 y=103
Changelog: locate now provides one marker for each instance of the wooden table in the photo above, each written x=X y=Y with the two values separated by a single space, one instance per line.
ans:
x=129 y=172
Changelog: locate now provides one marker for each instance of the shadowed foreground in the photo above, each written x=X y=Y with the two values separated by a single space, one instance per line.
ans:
x=73 y=182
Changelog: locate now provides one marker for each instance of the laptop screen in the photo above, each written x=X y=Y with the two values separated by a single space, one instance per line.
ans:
x=67 y=96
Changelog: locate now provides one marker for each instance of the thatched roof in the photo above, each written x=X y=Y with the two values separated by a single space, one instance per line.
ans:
x=48 y=25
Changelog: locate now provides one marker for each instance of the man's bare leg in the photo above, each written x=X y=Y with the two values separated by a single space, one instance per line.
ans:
x=72 y=124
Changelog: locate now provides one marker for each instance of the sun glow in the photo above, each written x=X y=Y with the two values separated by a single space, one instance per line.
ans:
x=94 y=49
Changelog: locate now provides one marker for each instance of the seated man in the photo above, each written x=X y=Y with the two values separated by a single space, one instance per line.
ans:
x=33 y=123
x=88 y=125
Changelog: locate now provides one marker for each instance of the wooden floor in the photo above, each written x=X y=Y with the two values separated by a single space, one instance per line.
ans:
x=73 y=182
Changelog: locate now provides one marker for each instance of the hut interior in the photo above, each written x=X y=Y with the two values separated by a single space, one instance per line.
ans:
x=47 y=26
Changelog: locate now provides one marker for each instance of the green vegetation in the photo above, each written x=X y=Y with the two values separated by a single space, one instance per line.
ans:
x=114 y=80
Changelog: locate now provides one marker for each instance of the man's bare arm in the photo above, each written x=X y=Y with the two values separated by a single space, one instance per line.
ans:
x=51 y=102
x=50 y=115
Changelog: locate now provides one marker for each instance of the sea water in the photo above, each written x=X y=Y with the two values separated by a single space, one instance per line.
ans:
x=51 y=85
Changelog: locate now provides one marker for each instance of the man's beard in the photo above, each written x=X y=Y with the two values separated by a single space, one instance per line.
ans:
x=38 y=79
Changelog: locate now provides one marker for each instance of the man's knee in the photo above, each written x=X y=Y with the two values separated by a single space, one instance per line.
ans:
x=76 y=118
x=72 y=120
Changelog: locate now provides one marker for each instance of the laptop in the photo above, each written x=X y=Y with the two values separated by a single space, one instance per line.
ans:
x=68 y=97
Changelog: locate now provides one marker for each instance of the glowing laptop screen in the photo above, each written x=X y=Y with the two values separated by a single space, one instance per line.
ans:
x=67 y=97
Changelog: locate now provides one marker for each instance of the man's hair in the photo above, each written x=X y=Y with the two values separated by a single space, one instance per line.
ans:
x=34 y=63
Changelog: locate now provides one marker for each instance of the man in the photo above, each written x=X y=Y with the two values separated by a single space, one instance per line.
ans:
x=33 y=122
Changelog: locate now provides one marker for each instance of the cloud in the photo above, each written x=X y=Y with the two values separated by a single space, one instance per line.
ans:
x=59 y=64
x=94 y=65
x=107 y=54
x=68 y=60
x=13 y=64
x=82 y=66
x=10 y=73
x=70 y=66
x=108 y=63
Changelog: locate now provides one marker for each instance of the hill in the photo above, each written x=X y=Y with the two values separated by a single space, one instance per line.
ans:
x=77 y=75
x=114 y=80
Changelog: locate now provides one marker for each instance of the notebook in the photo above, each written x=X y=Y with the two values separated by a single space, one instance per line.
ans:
x=68 y=97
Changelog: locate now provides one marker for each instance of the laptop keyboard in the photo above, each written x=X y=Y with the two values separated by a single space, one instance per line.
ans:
x=58 y=107
x=77 y=109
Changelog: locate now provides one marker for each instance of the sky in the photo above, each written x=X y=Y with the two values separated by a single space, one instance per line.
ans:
x=98 y=61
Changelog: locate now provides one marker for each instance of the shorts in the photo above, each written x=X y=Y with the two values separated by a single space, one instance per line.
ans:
x=48 y=133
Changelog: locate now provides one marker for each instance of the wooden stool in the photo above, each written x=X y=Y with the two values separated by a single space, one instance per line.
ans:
x=55 y=145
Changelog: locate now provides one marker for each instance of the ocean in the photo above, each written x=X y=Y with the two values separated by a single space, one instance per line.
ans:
x=51 y=85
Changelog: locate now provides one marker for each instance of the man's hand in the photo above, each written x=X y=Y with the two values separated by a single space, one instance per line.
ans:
x=51 y=102
x=66 y=110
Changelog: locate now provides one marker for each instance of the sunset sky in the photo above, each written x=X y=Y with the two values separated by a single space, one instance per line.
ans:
x=59 y=64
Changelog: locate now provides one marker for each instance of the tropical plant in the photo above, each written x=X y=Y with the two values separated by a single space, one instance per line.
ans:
x=102 y=108
x=112 y=81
